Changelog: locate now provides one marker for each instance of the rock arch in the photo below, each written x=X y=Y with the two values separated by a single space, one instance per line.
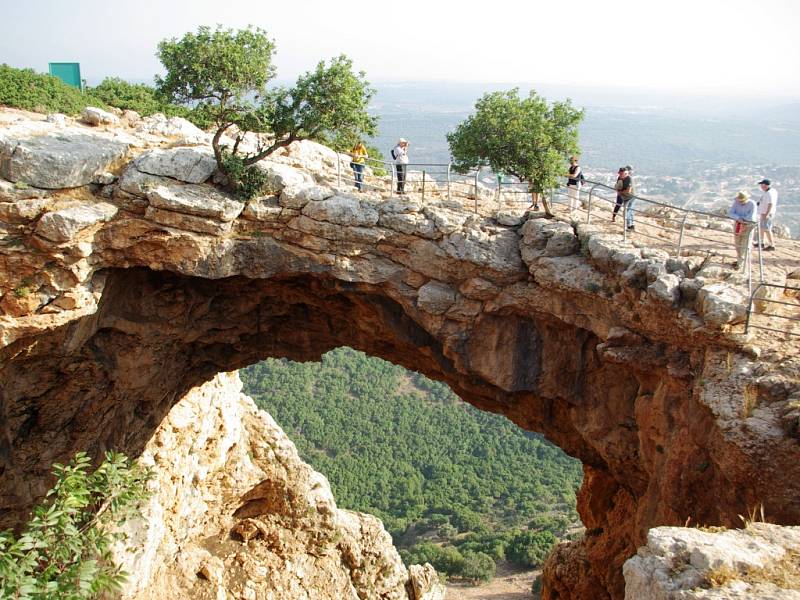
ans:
x=615 y=353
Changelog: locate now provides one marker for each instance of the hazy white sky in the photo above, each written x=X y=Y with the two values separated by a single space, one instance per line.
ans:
x=739 y=47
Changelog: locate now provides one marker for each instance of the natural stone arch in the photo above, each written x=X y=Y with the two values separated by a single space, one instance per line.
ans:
x=616 y=353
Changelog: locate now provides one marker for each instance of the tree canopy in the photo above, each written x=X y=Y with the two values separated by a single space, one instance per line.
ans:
x=527 y=138
x=455 y=486
x=224 y=74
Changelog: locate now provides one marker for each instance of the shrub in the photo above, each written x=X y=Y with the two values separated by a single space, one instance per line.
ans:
x=28 y=90
x=144 y=99
x=530 y=548
x=478 y=566
x=64 y=551
x=245 y=181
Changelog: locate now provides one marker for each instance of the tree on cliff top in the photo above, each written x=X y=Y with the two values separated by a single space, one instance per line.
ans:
x=524 y=137
x=224 y=73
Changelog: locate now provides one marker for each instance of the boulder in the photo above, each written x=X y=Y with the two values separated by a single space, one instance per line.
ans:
x=665 y=289
x=342 y=210
x=187 y=222
x=189 y=164
x=424 y=583
x=262 y=209
x=159 y=124
x=97 y=116
x=721 y=304
x=681 y=563
x=198 y=200
x=133 y=181
x=297 y=196
x=436 y=297
x=281 y=176
x=63 y=225
x=58 y=161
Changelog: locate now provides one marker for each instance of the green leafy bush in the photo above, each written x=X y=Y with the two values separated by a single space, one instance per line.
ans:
x=64 y=551
x=28 y=90
x=144 y=99
x=245 y=181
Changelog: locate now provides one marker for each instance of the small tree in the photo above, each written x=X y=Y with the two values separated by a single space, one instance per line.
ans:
x=64 y=550
x=523 y=137
x=224 y=74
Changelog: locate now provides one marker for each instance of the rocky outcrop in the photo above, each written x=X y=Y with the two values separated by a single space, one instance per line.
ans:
x=235 y=513
x=628 y=359
x=760 y=562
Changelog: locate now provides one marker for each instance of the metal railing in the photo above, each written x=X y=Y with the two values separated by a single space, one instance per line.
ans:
x=754 y=298
x=675 y=227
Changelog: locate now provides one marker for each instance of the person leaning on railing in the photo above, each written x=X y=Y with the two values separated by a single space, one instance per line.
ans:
x=359 y=156
x=743 y=210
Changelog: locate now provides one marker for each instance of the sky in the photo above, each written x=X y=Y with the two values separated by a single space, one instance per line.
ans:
x=729 y=48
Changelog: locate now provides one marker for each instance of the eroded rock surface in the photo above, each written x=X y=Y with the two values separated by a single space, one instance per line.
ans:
x=628 y=359
x=235 y=513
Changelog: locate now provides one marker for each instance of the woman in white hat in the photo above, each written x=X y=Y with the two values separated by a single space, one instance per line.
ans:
x=743 y=212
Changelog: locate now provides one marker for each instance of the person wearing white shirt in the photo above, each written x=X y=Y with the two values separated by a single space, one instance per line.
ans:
x=400 y=156
x=766 y=213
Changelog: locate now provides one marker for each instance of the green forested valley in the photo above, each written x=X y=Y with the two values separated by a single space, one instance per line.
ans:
x=455 y=486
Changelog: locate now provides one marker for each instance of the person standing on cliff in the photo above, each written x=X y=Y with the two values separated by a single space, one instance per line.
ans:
x=743 y=211
x=767 y=205
x=400 y=156
x=574 y=179
x=359 y=159
x=624 y=187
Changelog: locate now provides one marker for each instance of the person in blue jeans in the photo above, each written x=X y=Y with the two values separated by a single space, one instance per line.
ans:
x=624 y=187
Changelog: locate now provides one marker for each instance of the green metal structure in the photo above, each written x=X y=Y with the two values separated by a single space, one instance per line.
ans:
x=69 y=73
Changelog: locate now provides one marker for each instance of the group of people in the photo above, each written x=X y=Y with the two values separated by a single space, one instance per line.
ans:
x=399 y=153
x=746 y=213
x=623 y=187
x=744 y=210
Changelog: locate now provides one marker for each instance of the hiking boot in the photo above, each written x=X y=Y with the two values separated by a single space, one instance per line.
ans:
x=770 y=248
x=613 y=218
x=630 y=228
x=736 y=265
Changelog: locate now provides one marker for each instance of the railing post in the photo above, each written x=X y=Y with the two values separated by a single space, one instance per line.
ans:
x=760 y=250
x=423 y=184
x=391 y=184
x=449 y=165
x=750 y=307
x=680 y=236
x=477 y=173
x=589 y=207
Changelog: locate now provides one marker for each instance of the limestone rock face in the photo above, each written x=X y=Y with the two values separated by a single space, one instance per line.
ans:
x=58 y=161
x=628 y=359
x=686 y=564
x=192 y=165
x=234 y=511
x=64 y=225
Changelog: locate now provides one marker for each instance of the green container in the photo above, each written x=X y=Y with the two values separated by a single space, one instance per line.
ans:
x=69 y=73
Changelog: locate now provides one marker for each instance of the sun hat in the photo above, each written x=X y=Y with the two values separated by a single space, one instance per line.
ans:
x=743 y=196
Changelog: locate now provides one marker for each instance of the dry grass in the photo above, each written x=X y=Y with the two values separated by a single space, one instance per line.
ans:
x=749 y=400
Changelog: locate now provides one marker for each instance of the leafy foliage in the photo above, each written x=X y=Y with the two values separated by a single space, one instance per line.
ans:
x=247 y=181
x=405 y=448
x=28 y=90
x=64 y=550
x=224 y=74
x=524 y=137
x=144 y=99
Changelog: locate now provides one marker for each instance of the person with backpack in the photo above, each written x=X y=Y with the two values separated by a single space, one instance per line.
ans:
x=624 y=187
x=574 y=183
x=400 y=156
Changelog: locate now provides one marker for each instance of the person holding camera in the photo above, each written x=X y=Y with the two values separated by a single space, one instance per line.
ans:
x=400 y=156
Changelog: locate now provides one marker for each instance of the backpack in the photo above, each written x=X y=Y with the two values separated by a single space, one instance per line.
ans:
x=581 y=178
x=394 y=157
